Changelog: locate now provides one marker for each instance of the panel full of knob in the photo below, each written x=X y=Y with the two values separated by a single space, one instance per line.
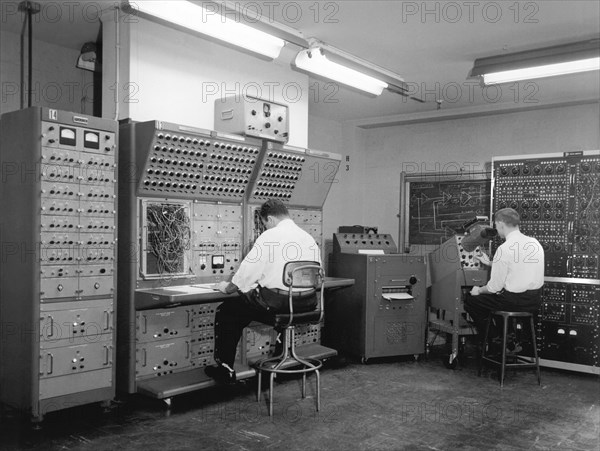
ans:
x=175 y=161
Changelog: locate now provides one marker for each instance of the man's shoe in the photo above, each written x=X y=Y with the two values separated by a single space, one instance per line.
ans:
x=221 y=373
x=513 y=348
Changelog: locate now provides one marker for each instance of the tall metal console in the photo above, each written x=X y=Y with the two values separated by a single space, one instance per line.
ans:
x=454 y=271
x=558 y=198
x=58 y=260
x=384 y=313
x=188 y=201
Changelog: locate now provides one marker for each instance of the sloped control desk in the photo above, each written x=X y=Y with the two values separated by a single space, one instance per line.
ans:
x=170 y=310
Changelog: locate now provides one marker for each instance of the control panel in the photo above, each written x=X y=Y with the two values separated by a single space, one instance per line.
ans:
x=311 y=221
x=568 y=323
x=251 y=116
x=216 y=239
x=296 y=176
x=64 y=212
x=184 y=162
x=278 y=174
x=558 y=198
x=356 y=243
x=173 y=340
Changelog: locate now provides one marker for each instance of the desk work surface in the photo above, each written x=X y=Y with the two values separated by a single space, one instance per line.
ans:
x=200 y=293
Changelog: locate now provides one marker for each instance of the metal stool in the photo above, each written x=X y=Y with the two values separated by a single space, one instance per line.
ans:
x=301 y=274
x=522 y=362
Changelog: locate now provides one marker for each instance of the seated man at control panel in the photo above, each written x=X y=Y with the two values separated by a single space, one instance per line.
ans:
x=517 y=274
x=259 y=279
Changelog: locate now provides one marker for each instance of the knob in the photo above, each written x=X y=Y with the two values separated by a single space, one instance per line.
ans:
x=413 y=280
x=268 y=125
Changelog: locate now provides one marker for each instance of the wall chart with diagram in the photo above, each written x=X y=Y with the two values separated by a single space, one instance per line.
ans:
x=435 y=207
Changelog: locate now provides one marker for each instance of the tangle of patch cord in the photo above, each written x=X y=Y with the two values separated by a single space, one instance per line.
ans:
x=168 y=236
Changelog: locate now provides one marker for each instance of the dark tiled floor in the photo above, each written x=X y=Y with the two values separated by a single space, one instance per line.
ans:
x=388 y=404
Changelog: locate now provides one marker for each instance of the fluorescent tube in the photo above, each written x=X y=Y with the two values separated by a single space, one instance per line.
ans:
x=313 y=60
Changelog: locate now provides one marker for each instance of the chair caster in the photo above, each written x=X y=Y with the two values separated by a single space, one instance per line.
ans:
x=451 y=362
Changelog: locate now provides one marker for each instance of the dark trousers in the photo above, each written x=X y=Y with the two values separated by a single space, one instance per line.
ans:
x=479 y=307
x=233 y=315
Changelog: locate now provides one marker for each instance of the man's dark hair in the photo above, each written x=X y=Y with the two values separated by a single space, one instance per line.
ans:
x=273 y=207
x=508 y=216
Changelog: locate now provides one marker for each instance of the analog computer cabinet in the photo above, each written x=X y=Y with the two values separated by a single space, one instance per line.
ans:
x=384 y=313
x=557 y=196
x=58 y=273
x=187 y=203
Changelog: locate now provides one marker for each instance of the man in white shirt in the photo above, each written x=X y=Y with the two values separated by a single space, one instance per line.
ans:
x=259 y=279
x=517 y=274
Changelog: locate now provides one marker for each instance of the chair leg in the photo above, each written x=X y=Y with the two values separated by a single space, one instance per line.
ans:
x=285 y=343
x=271 y=377
x=503 y=367
x=535 y=354
x=296 y=356
x=318 y=390
x=484 y=345
x=259 y=385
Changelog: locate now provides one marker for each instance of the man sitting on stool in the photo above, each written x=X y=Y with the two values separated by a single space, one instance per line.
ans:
x=517 y=274
x=259 y=280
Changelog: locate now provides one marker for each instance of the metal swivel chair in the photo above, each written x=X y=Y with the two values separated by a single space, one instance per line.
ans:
x=309 y=277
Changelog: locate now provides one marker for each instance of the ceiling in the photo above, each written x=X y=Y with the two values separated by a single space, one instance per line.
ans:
x=431 y=44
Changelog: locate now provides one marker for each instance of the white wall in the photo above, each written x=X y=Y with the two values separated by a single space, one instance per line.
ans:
x=57 y=83
x=345 y=204
x=176 y=77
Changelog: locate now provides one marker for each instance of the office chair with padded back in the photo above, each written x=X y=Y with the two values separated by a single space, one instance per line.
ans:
x=304 y=279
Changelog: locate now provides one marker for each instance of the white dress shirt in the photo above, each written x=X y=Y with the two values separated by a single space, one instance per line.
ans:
x=518 y=265
x=271 y=251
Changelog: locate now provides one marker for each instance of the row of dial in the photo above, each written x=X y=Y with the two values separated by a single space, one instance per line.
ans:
x=547 y=169
x=207 y=142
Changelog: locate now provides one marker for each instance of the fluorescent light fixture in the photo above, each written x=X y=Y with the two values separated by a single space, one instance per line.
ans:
x=563 y=59
x=549 y=70
x=209 y=22
x=314 y=61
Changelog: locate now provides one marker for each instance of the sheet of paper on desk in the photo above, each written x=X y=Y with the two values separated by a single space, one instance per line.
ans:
x=190 y=289
x=210 y=286
x=397 y=296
